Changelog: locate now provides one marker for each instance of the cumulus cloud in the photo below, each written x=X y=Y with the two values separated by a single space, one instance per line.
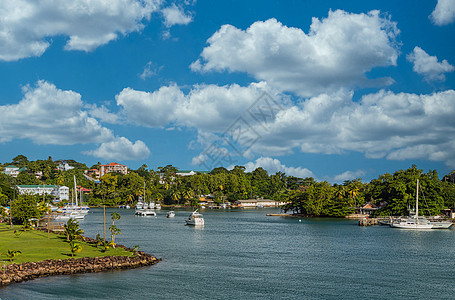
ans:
x=121 y=149
x=27 y=25
x=206 y=107
x=382 y=124
x=349 y=175
x=103 y=114
x=428 y=66
x=50 y=116
x=273 y=165
x=174 y=15
x=444 y=12
x=337 y=52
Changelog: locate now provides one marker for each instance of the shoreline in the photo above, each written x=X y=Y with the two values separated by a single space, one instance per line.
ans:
x=15 y=273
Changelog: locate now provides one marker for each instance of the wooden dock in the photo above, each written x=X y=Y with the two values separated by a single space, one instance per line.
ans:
x=368 y=222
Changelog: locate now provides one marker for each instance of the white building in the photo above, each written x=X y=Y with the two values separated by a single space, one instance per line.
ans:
x=60 y=193
x=64 y=167
x=13 y=170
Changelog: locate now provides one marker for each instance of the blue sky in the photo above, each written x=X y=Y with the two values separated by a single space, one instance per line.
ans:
x=330 y=89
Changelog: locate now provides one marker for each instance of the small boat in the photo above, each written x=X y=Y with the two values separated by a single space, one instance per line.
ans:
x=170 y=214
x=145 y=212
x=195 y=219
x=70 y=215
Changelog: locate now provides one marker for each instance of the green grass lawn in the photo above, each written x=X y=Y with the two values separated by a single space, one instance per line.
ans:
x=36 y=246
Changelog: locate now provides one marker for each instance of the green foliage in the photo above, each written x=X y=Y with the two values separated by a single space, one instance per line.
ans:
x=10 y=254
x=74 y=248
x=72 y=230
x=24 y=208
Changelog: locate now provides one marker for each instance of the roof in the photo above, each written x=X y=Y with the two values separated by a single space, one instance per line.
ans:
x=11 y=166
x=34 y=186
x=112 y=164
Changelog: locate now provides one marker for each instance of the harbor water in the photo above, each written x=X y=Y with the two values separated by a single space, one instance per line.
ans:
x=244 y=254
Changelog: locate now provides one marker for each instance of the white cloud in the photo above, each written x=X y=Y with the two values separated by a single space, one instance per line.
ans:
x=349 y=175
x=428 y=66
x=154 y=109
x=273 y=165
x=103 y=114
x=337 y=52
x=121 y=149
x=444 y=12
x=50 y=116
x=174 y=15
x=383 y=124
x=150 y=70
x=26 y=26
x=47 y=115
x=206 y=107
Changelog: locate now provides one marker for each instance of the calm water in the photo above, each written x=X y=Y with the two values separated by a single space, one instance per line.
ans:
x=242 y=254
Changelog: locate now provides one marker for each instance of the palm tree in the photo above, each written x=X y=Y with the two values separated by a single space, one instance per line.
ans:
x=72 y=230
x=175 y=196
x=74 y=248
x=114 y=231
x=115 y=216
x=10 y=254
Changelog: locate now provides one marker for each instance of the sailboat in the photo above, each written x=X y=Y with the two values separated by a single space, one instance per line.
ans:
x=413 y=222
x=147 y=209
x=73 y=211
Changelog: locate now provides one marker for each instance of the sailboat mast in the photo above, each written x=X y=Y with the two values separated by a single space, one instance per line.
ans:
x=417 y=200
x=75 y=188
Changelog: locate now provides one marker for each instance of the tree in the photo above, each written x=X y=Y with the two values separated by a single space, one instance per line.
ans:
x=74 y=248
x=114 y=231
x=72 y=230
x=20 y=161
x=25 y=208
x=10 y=254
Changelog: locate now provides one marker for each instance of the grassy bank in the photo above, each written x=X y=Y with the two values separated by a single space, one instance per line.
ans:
x=36 y=246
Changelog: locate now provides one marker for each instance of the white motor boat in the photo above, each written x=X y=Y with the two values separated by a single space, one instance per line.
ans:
x=145 y=212
x=195 y=219
x=170 y=214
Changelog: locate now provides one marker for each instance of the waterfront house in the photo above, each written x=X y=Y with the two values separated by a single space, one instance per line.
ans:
x=368 y=209
x=60 y=193
x=113 y=167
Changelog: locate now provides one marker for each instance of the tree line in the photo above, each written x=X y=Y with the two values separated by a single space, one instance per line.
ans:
x=393 y=193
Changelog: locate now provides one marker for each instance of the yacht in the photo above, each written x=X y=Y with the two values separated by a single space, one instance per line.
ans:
x=69 y=215
x=413 y=222
x=195 y=219
x=170 y=214
x=146 y=212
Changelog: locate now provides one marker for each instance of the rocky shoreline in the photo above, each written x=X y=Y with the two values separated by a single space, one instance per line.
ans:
x=30 y=270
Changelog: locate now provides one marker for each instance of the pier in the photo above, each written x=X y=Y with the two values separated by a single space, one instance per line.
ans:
x=368 y=222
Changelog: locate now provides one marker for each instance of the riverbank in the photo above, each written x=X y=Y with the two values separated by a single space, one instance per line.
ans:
x=42 y=256
x=26 y=271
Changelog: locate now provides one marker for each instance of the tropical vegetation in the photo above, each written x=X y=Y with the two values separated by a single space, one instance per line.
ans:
x=392 y=193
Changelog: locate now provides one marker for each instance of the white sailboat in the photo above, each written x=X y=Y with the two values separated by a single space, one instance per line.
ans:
x=413 y=222
x=73 y=211
x=145 y=209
